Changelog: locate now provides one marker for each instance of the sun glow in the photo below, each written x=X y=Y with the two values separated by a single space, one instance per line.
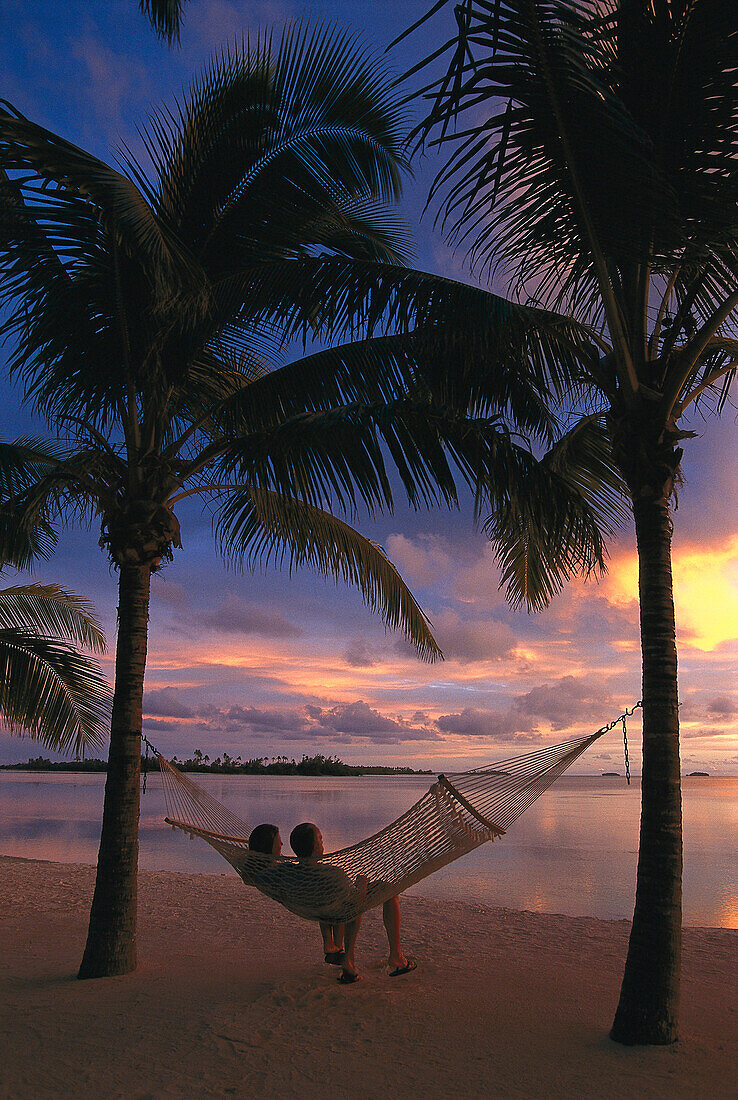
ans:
x=705 y=591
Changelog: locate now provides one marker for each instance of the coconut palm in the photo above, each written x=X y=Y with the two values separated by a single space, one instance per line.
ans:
x=135 y=334
x=591 y=152
x=49 y=691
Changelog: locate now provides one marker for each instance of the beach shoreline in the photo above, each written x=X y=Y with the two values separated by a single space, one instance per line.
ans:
x=232 y=997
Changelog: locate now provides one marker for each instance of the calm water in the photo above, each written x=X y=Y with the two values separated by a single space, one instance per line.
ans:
x=573 y=852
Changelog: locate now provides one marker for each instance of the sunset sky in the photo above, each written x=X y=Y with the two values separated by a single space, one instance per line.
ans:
x=270 y=664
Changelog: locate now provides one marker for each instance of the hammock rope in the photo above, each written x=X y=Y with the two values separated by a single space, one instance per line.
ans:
x=460 y=812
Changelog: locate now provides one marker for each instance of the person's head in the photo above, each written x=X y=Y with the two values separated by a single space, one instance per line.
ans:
x=306 y=841
x=265 y=838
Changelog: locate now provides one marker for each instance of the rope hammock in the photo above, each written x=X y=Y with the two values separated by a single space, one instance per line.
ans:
x=460 y=812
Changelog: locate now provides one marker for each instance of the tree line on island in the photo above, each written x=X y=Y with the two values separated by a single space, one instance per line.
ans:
x=226 y=765
x=590 y=158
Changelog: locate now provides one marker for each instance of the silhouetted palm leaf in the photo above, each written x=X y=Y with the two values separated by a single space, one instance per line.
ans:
x=262 y=526
x=48 y=690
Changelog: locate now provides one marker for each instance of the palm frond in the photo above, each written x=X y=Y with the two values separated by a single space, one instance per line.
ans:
x=554 y=520
x=280 y=148
x=76 y=197
x=258 y=526
x=165 y=17
x=48 y=609
x=51 y=693
x=595 y=134
x=330 y=295
x=338 y=455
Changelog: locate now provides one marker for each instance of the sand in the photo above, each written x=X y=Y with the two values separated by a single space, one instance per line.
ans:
x=232 y=998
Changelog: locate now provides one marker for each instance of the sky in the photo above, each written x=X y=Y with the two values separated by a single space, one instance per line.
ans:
x=267 y=664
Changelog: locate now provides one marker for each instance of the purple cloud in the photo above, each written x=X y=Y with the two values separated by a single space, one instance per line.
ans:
x=237 y=719
x=357 y=654
x=565 y=701
x=158 y=724
x=722 y=706
x=474 y=640
x=167 y=702
x=477 y=722
x=359 y=720
x=238 y=617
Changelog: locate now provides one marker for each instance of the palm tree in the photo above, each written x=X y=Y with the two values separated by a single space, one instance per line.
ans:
x=592 y=161
x=136 y=333
x=50 y=691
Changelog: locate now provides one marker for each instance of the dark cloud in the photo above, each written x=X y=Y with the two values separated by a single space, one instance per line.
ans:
x=358 y=655
x=568 y=700
x=558 y=705
x=356 y=717
x=473 y=640
x=237 y=719
x=359 y=720
x=158 y=724
x=166 y=701
x=238 y=617
x=722 y=706
x=477 y=722
x=344 y=723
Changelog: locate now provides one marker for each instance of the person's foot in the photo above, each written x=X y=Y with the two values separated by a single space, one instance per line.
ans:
x=335 y=958
x=405 y=968
x=348 y=977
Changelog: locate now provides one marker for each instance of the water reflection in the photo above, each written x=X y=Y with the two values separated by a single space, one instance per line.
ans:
x=573 y=852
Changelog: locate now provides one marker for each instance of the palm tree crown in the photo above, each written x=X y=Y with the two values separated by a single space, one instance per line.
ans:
x=133 y=327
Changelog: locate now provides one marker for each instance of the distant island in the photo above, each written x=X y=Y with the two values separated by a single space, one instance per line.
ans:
x=611 y=775
x=704 y=775
x=225 y=765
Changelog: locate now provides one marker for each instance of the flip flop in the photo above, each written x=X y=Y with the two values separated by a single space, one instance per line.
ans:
x=344 y=978
x=409 y=965
x=334 y=958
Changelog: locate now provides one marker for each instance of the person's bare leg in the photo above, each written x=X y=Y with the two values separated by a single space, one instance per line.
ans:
x=351 y=929
x=337 y=931
x=391 y=917
x=326 y=931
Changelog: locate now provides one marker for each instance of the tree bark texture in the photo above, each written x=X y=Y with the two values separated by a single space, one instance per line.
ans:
x=649 y=997
x=111 y=938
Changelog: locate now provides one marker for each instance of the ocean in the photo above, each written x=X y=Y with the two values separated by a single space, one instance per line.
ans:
x=573 y=852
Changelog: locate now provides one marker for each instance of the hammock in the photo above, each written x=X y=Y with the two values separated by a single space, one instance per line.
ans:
x=458 y=813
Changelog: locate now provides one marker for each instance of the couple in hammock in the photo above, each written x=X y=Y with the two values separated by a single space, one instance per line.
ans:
x=339 y=939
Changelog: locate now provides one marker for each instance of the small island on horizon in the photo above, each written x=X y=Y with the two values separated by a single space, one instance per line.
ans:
x=226 y=765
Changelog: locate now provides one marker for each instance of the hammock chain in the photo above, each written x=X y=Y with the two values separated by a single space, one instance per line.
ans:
x=145 y=766
x=625 y=749
x=622 y=719
x=145 y=769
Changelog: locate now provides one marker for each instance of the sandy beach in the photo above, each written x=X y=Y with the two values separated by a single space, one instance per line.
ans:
x=232 y=998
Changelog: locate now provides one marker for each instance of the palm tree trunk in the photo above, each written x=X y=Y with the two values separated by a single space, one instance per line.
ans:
x=111 y=938
x=649 y=997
